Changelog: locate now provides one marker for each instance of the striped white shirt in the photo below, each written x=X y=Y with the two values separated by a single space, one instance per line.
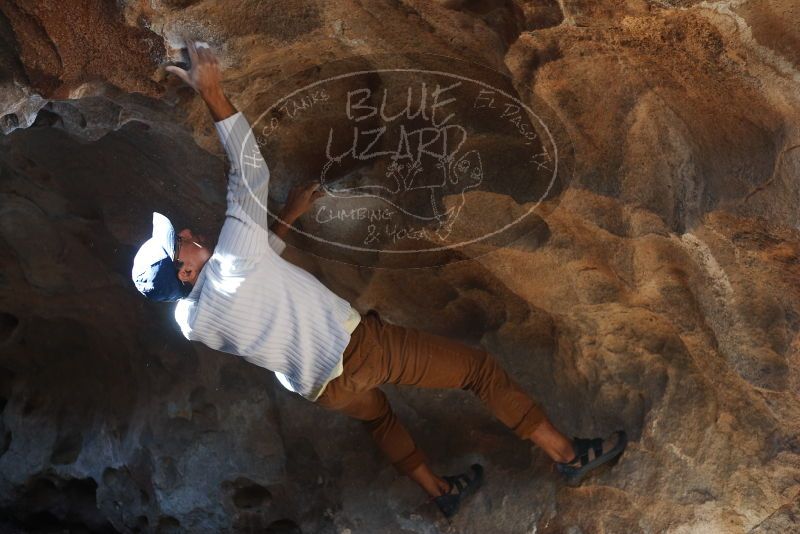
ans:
x=251 y=302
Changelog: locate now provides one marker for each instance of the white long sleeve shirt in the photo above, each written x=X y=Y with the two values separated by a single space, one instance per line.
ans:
x=251 y=302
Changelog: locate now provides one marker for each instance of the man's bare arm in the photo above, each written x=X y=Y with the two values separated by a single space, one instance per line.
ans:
x=300 y=200
x=205 y=77
x=218 y=104
x=279 y=229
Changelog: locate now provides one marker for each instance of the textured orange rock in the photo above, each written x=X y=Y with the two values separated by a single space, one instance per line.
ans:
x=657 y=291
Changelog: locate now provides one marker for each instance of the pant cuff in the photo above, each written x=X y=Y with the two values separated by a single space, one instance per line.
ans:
x=410 y=462
x=534 y=417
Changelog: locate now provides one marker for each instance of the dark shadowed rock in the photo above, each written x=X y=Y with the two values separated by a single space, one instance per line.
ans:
x=654 y=287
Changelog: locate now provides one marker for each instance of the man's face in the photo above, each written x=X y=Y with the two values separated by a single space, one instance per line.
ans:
x=191 y=256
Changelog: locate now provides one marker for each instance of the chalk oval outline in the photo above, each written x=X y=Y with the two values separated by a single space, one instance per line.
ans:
x=423 y=71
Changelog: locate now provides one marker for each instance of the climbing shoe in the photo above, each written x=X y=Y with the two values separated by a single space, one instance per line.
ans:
x=461 y=486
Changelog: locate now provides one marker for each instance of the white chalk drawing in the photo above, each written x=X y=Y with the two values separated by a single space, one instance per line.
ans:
x=413 y=165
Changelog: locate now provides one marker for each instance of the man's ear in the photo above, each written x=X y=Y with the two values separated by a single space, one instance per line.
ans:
x=186 y=233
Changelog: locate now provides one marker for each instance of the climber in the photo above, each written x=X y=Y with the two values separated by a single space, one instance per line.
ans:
x=243 y=298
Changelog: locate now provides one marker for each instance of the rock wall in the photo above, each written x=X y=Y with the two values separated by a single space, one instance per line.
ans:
x=658 y=291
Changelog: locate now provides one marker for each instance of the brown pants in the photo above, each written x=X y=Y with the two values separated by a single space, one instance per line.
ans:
x=383 y=353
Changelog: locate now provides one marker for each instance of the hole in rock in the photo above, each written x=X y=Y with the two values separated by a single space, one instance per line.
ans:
x=6 y=386
x=67 y=449
x=58 y=505
x=283 y=526
x=5 y=442
x=46 y=118
x=110 y=476
x=8 y=323
x=168 y=525
x=9 y=121
x=141 y=524
x=251 y=495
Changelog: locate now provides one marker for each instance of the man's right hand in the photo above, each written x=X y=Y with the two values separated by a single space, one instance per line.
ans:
x=205 y=77
x=301 y=197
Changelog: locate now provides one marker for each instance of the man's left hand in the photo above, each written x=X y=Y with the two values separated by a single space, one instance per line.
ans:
x=204 y=76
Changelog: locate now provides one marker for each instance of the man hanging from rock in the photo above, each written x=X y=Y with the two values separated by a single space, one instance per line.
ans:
x=241 y=297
